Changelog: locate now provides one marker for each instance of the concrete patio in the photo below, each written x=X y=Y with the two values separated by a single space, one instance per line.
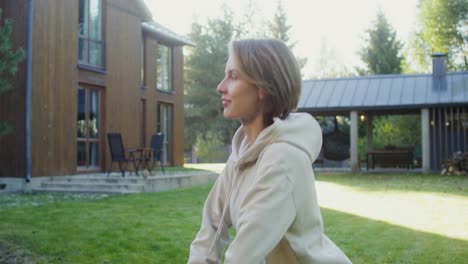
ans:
x=114 y=183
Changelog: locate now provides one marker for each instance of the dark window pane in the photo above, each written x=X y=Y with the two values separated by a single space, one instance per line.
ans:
x=81 y=155
x=94 y=114
x=94 y=154
x=83 y=51
x=81 y=125
x=164 y=126
x=95 y=53
x=83 y=18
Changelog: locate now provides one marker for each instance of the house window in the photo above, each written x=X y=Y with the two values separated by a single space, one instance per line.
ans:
x=88 y=128
x=165 y=127
x=164 y=68
x=90 y=44
x=143 y=60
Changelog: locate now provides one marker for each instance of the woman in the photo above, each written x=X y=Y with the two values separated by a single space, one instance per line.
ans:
x=267 y=190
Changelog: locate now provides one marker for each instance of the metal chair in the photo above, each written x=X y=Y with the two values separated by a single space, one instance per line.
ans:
x=157 y=145
x=118 y=153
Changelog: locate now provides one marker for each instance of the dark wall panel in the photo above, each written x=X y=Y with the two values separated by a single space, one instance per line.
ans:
x=12 y=102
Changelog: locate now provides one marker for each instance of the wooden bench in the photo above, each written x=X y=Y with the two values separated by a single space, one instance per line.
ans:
x=393 y=157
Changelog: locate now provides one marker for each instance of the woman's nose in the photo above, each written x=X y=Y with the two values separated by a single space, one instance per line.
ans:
x=221 y=87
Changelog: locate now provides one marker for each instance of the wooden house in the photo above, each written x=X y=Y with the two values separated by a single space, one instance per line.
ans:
x=93 y=67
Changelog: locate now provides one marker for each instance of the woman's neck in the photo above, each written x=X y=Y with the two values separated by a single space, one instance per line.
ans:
x=253 y=128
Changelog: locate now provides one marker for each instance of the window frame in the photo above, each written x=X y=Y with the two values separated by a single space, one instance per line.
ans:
x=87 y=139
x=170 y=73
x=87 y=40
x=163 y=127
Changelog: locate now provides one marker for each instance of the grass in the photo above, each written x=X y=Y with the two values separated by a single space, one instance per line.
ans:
x=361 y=213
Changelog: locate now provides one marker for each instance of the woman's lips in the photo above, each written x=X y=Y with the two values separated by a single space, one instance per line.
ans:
x=226 y=102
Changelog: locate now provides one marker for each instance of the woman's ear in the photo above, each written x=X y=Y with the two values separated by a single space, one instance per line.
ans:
x=261 y=94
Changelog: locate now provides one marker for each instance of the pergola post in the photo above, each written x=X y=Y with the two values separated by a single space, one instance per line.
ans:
x=425 y=137
x=369 y=132
x=354 y=142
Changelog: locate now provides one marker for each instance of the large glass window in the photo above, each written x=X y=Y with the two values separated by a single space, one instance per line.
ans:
x=88 y=134
x=164 y=68
x=90 y=44
x=165 y=127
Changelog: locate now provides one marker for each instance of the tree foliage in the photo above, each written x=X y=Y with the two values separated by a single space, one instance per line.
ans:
x=204 y=70
x=205 y=63
x=382 y=53
x=279 y=29
x=9 y=59
x=443 y=27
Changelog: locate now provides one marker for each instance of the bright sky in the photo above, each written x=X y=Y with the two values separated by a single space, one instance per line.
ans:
x=338 y=24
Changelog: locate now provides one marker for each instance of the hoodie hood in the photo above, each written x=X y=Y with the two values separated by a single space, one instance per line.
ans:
x=300 y=130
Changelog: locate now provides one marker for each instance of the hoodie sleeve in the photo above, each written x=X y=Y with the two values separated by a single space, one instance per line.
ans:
x=266 y=212
x=211 y=221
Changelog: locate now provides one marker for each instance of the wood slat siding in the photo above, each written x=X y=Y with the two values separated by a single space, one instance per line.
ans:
x=123 y=53
x=53 y=120
x=449 y=132
x=178 y=70
x=12 y=102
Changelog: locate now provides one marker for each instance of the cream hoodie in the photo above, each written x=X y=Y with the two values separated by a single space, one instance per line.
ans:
x=267 y=193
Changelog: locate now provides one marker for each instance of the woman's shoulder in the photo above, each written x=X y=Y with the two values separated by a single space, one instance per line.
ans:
x=285 y=155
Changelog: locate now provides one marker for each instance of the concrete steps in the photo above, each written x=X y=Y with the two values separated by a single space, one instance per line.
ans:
x=115 y=183
x=91 y=187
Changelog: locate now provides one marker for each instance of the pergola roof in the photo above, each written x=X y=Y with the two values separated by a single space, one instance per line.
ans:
x=384 y=92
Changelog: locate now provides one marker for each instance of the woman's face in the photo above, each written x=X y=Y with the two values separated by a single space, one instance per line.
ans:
x=241 y=100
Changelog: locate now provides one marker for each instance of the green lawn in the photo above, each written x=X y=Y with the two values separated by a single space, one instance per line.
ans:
x=373 y=218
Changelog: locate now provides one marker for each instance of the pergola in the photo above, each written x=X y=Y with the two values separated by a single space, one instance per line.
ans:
x=440 y=98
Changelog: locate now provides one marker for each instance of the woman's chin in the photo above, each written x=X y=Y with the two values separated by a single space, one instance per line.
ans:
x=228 y=115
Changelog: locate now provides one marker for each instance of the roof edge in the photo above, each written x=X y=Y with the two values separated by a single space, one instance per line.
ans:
x=148 y=16
x=383 y=76
x=377 y=108
x=165 y=34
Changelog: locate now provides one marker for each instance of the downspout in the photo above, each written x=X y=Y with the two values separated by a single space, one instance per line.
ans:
x=28 y=90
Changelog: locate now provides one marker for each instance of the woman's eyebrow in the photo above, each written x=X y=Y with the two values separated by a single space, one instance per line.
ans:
x=231 y=71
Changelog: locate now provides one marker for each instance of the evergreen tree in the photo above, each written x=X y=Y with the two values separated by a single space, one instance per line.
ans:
x=279 y=29
x=9 y=60
x=204 y=70
x=443 y=27
x=382 y=56
x=382 y=53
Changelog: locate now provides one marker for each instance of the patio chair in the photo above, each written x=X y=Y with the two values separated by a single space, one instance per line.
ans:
x=118 y=153
x=157 y=143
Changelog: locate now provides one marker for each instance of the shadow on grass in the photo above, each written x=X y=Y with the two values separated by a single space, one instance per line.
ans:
x=370 y=241
x=399 y=182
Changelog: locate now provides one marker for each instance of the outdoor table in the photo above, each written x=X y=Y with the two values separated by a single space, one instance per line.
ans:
x=390 y=157
x=140 y=157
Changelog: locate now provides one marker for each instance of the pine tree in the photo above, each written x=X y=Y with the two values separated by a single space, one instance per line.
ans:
x=279 y=29
x=204 y=70
x=9 y=60
x=382 y=54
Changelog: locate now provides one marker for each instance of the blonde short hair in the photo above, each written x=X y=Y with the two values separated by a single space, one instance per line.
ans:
x=271 y=66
